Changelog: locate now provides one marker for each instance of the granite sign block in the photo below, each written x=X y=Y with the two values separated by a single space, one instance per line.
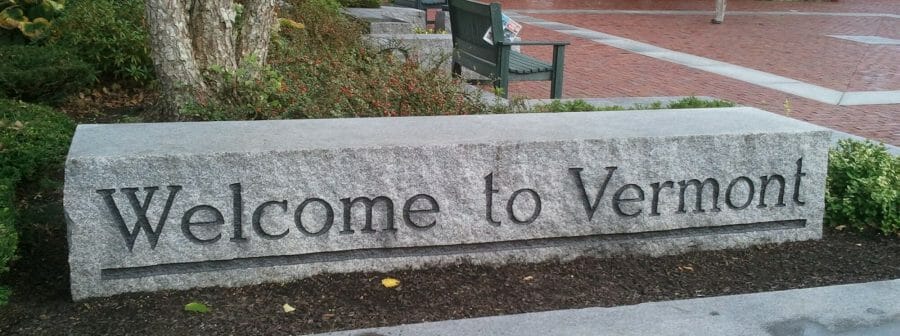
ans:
x=182 y=205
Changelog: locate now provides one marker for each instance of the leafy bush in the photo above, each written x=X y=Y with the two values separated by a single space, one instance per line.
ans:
x=324 y=70
x=863 y=188
x=35 y=139
x=41 y=74
x=361 y=3
x=33 y=144
x=248 y=92
x=110 y=34
x=30 y=19
x=9 y=238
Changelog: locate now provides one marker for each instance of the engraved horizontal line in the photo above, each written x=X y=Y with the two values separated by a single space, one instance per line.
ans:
x=435 y=250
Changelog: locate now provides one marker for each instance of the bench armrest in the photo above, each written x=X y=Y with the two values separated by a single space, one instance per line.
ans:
x=553 y=43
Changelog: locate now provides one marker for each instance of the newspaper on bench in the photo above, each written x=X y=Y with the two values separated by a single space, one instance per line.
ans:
x=511 y=30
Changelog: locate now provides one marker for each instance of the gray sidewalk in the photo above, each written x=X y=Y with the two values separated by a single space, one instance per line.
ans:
x=859 y=309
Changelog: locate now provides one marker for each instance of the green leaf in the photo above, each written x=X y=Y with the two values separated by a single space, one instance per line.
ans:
x=196 y=307
x=11 y=17
x=35 y=29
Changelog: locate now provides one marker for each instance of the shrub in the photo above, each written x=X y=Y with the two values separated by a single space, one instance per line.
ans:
x=325 y=71
x=35 y=139
x=9 y=238
x=241 y=94
x=361 y=3
x=863 y=188
x=41 y=74
x=110 y=34
x=33 y=144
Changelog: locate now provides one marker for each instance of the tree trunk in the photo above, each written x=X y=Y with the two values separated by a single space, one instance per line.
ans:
x=173 y=57
x=259 y=19
x=212 y=31
x=190 y=36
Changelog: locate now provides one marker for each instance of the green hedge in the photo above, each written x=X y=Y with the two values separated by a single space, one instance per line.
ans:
x=8 y=236
x=41 y=74
x=863 y=188
x=110 y=35
x=34 y=140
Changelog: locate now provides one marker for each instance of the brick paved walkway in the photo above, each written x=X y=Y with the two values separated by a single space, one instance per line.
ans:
x=794 y=46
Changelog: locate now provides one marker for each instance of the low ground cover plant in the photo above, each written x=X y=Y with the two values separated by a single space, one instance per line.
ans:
x=34 y=140
x=42 y=74
x=579 y=105
x=863 y=188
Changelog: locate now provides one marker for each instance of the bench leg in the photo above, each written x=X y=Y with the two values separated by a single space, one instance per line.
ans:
x=556 y=82
x=503 y=86
x=502 y=71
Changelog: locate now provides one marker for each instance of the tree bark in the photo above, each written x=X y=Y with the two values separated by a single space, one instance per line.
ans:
x=190 y=36
x=173 y=57
x=259 y=20
x=212 y=31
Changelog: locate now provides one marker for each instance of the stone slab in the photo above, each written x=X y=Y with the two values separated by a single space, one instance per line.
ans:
x=390 y=13
x=182 y=205
x=398 y=27
x=429 y=50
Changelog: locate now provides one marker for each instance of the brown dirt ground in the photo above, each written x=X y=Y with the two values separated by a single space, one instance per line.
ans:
x=41 y=303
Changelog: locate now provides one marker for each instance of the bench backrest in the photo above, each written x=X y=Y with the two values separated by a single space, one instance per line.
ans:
x=470 y=20
x=419 y=4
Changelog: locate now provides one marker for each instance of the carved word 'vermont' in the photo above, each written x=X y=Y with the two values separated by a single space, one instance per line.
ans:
x=416 y=209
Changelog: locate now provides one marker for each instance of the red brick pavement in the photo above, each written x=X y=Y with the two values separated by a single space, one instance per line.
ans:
x=792 y=46
x=596 y=70
x=844 y=6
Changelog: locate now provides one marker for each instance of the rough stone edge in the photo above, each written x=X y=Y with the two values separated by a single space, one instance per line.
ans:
x=630 y=102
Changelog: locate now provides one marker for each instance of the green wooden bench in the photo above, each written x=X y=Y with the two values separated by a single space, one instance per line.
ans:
x=470 y=20
x=420 y=4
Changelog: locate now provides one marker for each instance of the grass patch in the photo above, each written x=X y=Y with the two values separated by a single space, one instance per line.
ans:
x=579 y=105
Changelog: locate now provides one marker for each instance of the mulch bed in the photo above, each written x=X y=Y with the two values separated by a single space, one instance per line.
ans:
x=41 y=304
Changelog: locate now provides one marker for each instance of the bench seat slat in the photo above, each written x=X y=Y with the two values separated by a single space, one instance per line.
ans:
x=523 y=64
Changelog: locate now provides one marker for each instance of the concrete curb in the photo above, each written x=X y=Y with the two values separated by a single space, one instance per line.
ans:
x=857 y=309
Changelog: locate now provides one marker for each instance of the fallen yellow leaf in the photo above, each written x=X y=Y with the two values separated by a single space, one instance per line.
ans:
x=390 y=282
x=528 y=278
x=287 y=308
